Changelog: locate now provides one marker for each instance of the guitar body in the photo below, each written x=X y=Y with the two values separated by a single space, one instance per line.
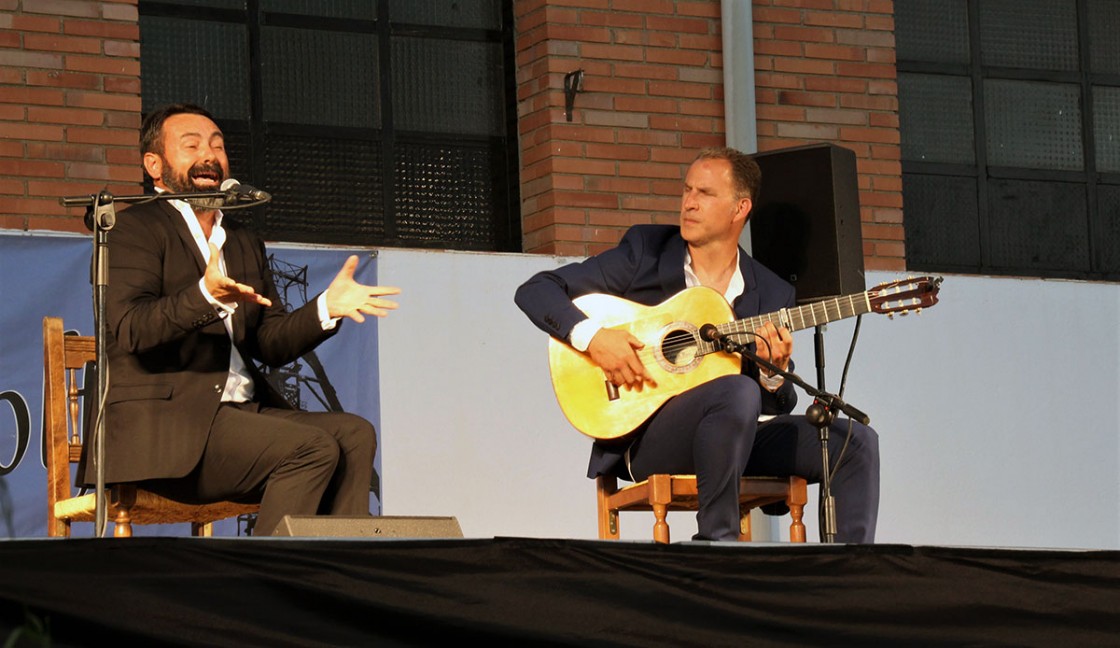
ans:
x=673 y=354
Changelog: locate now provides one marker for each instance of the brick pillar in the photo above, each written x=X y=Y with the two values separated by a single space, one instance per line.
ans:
x=69 y=107
x=652 y=96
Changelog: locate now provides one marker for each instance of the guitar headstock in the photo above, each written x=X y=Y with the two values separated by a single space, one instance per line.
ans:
x=904 y=295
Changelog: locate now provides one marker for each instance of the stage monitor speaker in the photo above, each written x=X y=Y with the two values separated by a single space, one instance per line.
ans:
x=383 y=526
x=805 y=225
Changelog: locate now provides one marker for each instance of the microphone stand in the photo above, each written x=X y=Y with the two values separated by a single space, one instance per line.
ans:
x=823 y=417
x=821 y=414
x=101 y=216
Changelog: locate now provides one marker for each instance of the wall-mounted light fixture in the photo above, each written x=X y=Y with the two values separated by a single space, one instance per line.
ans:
x=573 y=83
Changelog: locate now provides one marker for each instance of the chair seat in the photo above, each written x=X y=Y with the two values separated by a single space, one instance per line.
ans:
x=757 y=491
x=662 y=493
x=152 y=509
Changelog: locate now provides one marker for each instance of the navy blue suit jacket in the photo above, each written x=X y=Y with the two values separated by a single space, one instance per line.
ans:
x=646 y=267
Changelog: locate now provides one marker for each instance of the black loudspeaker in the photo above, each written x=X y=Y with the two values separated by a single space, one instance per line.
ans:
x=384 y=526
x=805 y=225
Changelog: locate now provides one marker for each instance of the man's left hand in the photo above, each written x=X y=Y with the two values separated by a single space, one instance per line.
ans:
x=348 y=298
x=775 y=344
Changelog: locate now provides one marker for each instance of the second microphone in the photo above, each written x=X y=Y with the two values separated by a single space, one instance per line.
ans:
x=237 y=193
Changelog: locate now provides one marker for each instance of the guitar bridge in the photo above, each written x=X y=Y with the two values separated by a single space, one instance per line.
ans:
x=612 y=390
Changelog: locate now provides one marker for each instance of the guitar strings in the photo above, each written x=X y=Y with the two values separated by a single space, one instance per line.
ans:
x=671 y=349
x=799 y=316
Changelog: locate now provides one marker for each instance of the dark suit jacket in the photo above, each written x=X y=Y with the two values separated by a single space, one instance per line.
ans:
x=646 y=267
x=168 y=349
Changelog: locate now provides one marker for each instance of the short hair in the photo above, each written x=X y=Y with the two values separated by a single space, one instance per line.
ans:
x=151 y=131
x=744 y=170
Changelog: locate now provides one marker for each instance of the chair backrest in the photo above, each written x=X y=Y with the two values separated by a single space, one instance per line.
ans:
x=66 y=359
x=69 y=397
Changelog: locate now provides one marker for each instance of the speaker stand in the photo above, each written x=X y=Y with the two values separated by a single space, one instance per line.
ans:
x=818 y=347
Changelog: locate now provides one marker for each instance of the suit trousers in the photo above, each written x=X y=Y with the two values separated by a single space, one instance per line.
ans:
x=712 y=431
x=292 y=462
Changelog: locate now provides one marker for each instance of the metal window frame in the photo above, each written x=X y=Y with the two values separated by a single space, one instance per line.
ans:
x=506 y=219
x=984 y=174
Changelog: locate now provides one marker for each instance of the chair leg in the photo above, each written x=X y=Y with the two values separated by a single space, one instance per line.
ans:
x=796 y=500
x=122 y=498
x=797 y=528
x=122 y=524
x=744 y=524
x=660 y=495
x=57 y=528
x=660 y=526
x=608 y=517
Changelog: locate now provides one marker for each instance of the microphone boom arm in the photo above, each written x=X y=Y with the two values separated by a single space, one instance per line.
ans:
x=231 y=196
x=710 y=333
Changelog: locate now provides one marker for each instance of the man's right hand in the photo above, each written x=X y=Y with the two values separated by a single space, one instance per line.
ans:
x=615 y=351
x=227 y=290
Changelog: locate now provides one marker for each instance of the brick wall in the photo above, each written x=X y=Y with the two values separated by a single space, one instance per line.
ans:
x=69 y=107
x=652 y=96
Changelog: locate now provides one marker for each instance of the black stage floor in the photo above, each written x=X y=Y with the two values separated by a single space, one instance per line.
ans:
x=541 y=592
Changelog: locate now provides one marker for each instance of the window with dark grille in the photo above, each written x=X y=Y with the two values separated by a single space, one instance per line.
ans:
x=371 y=122
x=1010 y=126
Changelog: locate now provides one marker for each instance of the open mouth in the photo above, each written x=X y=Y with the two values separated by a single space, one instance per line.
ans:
x=206 y=178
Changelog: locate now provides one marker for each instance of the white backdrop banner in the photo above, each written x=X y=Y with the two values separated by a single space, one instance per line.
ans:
x=45 y=274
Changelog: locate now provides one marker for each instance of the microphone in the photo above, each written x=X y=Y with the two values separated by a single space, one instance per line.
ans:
x=235 y=191
x=709 y=333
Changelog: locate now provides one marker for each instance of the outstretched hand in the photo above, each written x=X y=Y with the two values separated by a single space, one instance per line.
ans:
x=227 y=290
x=348 y=298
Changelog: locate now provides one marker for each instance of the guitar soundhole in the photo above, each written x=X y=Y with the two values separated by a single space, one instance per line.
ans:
x=679 y=351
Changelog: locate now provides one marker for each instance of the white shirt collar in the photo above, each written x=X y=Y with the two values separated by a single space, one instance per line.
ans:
x=735 y=286
x=217 y=235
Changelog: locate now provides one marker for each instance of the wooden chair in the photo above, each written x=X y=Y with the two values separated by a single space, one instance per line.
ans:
x=63 y=357
x=664 y=493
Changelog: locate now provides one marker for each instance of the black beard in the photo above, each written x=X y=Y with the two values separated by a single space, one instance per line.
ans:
x=182 y=183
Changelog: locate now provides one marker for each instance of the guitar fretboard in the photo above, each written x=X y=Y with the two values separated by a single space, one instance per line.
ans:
x=803 y=317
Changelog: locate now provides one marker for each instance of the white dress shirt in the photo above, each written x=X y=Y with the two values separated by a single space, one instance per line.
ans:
x=239 y=384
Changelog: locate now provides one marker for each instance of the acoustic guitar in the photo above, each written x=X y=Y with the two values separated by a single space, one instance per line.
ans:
x=679 y=357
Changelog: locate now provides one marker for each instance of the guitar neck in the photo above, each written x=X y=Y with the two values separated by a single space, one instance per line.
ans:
x=803 y=317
